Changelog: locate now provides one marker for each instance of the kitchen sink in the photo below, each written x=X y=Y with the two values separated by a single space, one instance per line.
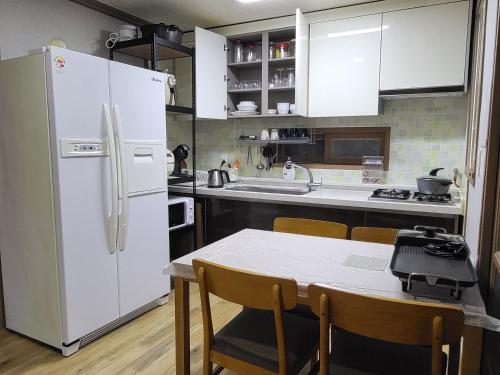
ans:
x=271 y=189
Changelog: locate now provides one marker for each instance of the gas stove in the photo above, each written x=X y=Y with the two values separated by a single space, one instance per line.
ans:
x=398 y=195
x=391 y=194
x=432 y=198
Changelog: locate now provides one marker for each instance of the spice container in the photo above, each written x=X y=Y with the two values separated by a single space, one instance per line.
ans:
x=372 y=170
x=281 y=50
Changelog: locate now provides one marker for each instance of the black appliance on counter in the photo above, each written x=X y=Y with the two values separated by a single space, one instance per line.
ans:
x=433 y=263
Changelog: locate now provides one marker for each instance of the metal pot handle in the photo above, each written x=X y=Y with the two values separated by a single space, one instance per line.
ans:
x=435 y=171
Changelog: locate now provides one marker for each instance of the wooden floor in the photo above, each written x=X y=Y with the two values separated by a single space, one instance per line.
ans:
x=143 y=346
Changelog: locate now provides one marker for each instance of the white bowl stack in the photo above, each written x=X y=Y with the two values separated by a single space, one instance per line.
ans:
x=246 y=108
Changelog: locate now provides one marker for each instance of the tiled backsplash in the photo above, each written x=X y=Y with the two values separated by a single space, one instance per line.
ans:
x=426 y=133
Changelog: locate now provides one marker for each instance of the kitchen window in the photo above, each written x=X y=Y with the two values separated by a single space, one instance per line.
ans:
x=339 y=147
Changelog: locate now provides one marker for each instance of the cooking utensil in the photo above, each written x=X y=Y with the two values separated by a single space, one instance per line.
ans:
x=428 y=255
x=249 y=155
x=216 y=178
x=174 y=34
x=260 y=166
x=170 y=85
x=455 y=177
x=159 y=29
x=433 y=184
x=222 y=164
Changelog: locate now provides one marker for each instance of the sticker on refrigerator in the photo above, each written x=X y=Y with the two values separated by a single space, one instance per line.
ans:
x=60 y=63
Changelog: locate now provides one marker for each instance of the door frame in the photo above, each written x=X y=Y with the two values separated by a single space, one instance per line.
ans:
x=488 y=235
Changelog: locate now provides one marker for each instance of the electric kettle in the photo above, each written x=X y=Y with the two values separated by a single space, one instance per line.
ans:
x=216 y=178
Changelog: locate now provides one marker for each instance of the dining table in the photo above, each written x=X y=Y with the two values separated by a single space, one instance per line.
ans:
x=357 y=267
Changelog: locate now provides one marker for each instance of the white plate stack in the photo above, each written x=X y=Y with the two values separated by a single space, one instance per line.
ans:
x=246 y=108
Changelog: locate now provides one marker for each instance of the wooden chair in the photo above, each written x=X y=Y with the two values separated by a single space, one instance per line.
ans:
x=263 y=338
x=373 y=234
x=310 y=227
x=412 y=332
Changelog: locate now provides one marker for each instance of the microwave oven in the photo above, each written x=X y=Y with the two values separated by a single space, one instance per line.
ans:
x=180 y=212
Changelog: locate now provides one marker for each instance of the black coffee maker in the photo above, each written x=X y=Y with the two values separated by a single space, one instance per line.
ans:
x=181 y=153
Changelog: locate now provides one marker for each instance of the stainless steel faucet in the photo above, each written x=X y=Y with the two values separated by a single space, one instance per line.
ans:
x=311 y=185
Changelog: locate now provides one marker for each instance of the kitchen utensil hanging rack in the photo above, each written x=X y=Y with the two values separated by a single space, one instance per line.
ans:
x=291 y=141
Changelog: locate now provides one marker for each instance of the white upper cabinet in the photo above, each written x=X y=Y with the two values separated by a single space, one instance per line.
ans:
x=344 y=67
x=211 y=71
x=425 y=48
x=301 y=63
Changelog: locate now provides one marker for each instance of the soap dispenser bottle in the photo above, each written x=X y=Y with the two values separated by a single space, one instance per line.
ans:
x=289 y=171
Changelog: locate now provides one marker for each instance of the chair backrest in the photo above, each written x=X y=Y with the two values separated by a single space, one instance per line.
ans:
x=250 y=290
x=374 y=234
x=397 y=321
x=310 y=227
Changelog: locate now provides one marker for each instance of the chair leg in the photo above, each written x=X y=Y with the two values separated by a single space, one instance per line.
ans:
x=314 y=360
x=207 y=367
x=454 y=359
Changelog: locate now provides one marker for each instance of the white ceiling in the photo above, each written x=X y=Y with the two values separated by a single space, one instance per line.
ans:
x=209 y=13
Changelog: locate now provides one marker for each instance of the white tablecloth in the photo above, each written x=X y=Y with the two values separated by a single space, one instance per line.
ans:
x=319 y=260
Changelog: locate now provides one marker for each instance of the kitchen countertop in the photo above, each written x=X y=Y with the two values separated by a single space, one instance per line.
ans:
x=342 y=196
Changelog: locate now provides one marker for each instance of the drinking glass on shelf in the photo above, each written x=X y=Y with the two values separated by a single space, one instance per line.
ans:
x=276 y=80
x=281 y=82
x=271 y=83
x=290 y=80
x=251 y=54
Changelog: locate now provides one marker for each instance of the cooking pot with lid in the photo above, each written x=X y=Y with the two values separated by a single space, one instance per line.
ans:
x=433 y=184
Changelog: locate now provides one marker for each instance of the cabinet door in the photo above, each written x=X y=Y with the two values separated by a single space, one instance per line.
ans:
x=425 y=47
x=301 y=63
x=211 y=71
x=344 y=67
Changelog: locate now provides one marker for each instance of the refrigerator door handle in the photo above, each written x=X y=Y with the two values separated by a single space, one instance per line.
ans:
x=123 y=187
x=113 y=218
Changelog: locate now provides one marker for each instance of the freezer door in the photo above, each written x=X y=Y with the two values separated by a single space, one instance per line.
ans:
x=138 y=99
x=78 y=88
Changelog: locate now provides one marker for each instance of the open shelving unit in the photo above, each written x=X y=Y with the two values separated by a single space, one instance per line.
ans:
x=152 y=50
x=261 y=70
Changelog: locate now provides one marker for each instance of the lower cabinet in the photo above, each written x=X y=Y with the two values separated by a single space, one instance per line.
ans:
x=224 y=217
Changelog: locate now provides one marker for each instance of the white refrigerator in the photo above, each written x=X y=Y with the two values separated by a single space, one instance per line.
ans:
x=83 y=195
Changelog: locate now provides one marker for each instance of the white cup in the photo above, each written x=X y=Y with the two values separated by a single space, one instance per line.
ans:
x=274 y=134
x=264 y=135
x=293 y=109
x=283 y=108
